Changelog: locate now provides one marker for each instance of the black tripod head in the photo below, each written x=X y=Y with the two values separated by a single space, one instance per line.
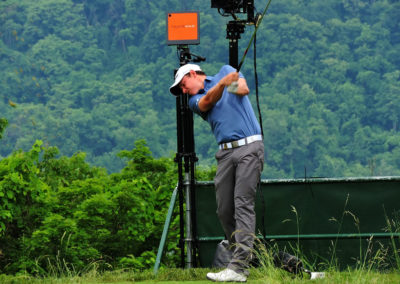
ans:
x=185 y=56
x=231 y=7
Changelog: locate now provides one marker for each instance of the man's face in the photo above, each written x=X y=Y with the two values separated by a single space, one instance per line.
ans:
x=190 y=84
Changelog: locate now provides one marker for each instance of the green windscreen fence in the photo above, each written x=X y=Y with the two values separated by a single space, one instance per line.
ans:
x=331 y=219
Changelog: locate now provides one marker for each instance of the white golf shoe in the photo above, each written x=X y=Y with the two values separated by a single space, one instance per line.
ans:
x=226 y=275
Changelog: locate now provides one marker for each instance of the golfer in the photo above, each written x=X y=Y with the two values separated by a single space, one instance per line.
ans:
x=240 y=157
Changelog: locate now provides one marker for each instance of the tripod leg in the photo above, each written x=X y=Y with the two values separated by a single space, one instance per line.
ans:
x=165 y=230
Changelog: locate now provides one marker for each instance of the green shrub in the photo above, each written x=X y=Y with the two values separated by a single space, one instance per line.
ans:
x=59 y=216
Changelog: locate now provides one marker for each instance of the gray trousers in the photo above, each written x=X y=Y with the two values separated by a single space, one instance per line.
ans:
x=236 y=180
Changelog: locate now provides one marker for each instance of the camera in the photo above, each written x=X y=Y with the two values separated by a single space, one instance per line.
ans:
x=232 y=6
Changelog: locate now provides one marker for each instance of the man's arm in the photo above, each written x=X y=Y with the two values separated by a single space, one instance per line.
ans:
x=215 y=93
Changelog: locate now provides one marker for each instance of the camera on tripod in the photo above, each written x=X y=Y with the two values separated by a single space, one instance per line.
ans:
x=230 y=7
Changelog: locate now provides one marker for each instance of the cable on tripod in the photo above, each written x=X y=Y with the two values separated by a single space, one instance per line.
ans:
x=262 y=132
x=256 y=84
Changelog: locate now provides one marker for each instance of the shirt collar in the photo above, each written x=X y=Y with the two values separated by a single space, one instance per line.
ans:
x=207 y=80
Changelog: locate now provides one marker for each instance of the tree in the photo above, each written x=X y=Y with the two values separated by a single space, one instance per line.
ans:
x=3 y=125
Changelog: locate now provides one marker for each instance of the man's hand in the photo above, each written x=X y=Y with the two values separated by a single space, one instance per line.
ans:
x=228 y=79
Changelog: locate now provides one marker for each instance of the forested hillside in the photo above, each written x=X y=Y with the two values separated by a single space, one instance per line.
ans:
x=93 y=76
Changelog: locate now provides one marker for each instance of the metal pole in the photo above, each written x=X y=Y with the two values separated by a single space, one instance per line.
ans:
x=188 y=152
x=178 y=159
x=189 y=238
x=233 y=31
x=165 y=230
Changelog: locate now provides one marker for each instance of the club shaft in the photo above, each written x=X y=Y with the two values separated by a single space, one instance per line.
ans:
x=252 y=37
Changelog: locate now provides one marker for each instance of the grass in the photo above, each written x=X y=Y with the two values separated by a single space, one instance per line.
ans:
x=265 y=272
x=197 y=276
x=372 y=266
x=369 y=269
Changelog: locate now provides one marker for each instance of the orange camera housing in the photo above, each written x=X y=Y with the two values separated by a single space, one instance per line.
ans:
x=183 y=28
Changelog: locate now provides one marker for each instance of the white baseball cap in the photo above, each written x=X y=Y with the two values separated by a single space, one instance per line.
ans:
x=182 y=71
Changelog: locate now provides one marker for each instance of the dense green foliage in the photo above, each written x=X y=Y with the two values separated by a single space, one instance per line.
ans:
x=60 y=214
x=93 y=76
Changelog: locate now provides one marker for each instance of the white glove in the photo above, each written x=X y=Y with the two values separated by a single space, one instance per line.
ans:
x=233 y=87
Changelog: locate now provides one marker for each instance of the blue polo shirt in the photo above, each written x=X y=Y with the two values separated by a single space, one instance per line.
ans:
x=232 y=117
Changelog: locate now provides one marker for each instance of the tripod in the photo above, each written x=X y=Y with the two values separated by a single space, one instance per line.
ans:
x=186 y=159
